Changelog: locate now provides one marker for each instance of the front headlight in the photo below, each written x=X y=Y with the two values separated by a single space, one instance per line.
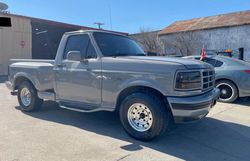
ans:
x=188 y=81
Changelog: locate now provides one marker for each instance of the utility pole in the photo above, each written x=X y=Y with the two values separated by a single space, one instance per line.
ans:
x=99 y=24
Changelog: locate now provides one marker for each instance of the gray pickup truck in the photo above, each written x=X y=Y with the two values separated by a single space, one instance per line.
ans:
x=97 y=70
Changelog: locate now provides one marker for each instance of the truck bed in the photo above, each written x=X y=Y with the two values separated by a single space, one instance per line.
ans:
x=32 y=60
x=39 y=71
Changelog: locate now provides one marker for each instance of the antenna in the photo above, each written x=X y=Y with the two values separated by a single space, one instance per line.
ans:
x=110 y=16
x=99 y=24
x=3 y=7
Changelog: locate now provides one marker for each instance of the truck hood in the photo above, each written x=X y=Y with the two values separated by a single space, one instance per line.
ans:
x=188 y=63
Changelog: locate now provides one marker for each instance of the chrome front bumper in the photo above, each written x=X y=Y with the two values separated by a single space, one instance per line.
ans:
x=194 y=107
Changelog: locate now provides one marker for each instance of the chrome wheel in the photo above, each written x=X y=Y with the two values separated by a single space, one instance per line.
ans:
x=140 y=117
x=227 y=92
x=25 y=96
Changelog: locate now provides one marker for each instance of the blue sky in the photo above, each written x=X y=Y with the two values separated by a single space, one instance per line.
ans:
x=127 y=15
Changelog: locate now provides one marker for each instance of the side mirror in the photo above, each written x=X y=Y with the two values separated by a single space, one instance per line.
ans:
x=74 y=55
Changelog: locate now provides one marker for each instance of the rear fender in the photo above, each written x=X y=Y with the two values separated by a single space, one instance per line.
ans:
x=27 y=76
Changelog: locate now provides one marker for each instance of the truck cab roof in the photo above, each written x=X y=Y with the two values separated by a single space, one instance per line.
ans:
x=92 y=31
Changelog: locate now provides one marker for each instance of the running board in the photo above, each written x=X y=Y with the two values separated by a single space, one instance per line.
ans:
x=47 y=95
x=80 y=110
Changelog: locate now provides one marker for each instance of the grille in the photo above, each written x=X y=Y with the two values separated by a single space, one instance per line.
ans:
x=208 y=79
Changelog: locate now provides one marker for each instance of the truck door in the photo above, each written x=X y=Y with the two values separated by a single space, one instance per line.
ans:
x=78 y=83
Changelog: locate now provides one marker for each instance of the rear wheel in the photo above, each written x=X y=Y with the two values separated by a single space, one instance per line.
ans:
x=144 y=116
x=27 y=97
x=228 y=91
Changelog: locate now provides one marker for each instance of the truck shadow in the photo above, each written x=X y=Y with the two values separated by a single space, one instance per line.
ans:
x=210 y=139
x=243 y=101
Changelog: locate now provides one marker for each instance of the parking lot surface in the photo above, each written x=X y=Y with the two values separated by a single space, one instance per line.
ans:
x=55 y=134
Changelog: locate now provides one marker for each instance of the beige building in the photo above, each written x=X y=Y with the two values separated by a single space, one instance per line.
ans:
x=15 y=41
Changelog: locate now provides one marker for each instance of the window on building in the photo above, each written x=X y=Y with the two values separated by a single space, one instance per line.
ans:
x=5 y=22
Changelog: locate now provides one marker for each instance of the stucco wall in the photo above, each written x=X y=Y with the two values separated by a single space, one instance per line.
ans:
x=215 y=39
x=15 y=41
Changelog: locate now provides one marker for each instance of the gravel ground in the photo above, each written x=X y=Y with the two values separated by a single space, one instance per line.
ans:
x=55 y=134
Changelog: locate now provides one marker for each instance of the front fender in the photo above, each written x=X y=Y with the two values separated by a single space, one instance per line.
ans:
x=145 y=83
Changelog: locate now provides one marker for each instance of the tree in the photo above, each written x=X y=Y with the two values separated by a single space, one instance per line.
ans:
x=149 y=40
x=184 y=43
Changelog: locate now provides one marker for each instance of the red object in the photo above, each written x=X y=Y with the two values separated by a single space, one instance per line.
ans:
x=247 y=71
x=203 y=54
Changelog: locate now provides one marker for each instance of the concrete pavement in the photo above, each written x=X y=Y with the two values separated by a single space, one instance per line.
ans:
x=60 y=135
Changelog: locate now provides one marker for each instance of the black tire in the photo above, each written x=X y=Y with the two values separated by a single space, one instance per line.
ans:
x=228 y=91
x=160 y=116
x=35 y=102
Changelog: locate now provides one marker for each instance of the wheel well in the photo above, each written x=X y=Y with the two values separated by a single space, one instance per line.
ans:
x=224 y=79
x=144 y=89
x=19 y=80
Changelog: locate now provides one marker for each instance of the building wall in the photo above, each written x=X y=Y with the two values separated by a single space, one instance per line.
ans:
x=214 y=39
x=15 y=41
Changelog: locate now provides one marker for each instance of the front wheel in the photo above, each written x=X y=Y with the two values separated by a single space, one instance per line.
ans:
x=27 y=97
x=144 y=116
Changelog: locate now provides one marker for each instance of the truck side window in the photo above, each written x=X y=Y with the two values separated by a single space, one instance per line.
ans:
x=91 y=53
x=77 y=43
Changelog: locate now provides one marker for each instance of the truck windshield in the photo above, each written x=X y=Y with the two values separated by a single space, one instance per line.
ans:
x=112 y=45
